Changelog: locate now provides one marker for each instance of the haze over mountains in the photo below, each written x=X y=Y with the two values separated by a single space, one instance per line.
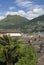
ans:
x=23 y=24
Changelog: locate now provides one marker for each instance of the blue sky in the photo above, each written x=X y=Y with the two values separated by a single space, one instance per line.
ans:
x=26 y=8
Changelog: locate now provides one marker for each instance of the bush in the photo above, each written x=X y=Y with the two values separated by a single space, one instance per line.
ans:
x=28 y=57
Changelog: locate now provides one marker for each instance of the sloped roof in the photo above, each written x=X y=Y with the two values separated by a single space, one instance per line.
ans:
x=10 y=31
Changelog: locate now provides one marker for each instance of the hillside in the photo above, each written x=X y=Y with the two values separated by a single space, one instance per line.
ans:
x=37 y=24
x=13 y=22
x=23 y=24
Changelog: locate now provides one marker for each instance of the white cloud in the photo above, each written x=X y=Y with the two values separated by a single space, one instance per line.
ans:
x=33 y=10
x=28 y=4
x=2 y=17
x=11 y=13
x=23 y=3
x=29 y=14
x=11 y=8
x=35 y=13
x=20 y=12
x=38 y=10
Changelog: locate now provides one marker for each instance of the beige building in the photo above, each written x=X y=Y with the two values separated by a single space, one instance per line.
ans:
x=14 y=33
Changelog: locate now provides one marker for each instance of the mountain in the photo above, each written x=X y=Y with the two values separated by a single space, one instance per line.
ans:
x=37 y=24
x=13 y=22
x=20 y=23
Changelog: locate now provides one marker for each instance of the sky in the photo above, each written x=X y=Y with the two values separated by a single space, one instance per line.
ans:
x=25 y=8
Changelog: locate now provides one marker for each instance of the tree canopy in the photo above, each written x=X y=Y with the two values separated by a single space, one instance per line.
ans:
x=14 y=51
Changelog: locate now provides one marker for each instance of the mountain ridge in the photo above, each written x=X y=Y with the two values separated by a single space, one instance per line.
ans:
x=20 y=23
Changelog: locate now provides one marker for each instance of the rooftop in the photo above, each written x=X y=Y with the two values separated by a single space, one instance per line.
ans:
x=10 y=31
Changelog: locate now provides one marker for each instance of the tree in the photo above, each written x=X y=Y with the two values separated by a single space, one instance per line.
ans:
x=15 y=50
x=8 y=49
x=28 y=56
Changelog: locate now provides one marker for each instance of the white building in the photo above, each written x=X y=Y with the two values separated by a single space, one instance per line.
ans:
x=14 y=33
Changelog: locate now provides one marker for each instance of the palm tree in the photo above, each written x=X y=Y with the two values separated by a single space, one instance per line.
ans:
x=10 y=49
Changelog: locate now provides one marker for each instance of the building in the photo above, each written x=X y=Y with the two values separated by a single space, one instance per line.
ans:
x=14 y=33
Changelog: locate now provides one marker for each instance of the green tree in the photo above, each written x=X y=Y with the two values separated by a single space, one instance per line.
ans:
x=9 y=49
x=15 y=50
x=28 y=56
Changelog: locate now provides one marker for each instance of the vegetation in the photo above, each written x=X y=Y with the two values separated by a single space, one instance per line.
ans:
x=15 y=52
x=22 y=24
x=28 y=57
